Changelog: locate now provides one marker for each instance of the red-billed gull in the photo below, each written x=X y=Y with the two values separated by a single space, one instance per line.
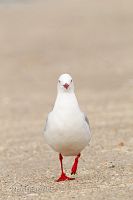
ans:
x=67 y=128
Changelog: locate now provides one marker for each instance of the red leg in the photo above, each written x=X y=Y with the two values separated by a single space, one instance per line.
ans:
x=75 y=165
x=63 y=176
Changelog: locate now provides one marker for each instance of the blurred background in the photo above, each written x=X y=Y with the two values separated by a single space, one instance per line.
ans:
x=91 y=40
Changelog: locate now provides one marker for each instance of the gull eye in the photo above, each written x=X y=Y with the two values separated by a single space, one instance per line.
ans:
x=71 y=80
x=59 y=81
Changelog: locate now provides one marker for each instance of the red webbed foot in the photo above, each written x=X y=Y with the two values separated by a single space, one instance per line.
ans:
x=64 y=177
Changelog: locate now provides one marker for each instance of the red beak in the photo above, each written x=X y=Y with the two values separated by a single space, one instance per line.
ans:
x=66 y=86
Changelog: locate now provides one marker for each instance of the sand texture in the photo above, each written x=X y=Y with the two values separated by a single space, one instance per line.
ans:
x=93 y=41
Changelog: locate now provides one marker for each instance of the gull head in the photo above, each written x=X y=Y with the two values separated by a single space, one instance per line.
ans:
x=65 y=83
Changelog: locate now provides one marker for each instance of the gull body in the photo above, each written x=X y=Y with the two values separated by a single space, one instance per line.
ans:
x=67 y=129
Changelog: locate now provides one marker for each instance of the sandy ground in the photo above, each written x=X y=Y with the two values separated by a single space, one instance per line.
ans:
x=93 y=41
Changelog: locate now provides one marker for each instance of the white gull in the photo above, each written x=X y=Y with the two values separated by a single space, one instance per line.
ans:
x=67 y=129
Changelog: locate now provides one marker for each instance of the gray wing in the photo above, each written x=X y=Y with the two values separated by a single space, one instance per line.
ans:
x=46 y=124
x=86 y=119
